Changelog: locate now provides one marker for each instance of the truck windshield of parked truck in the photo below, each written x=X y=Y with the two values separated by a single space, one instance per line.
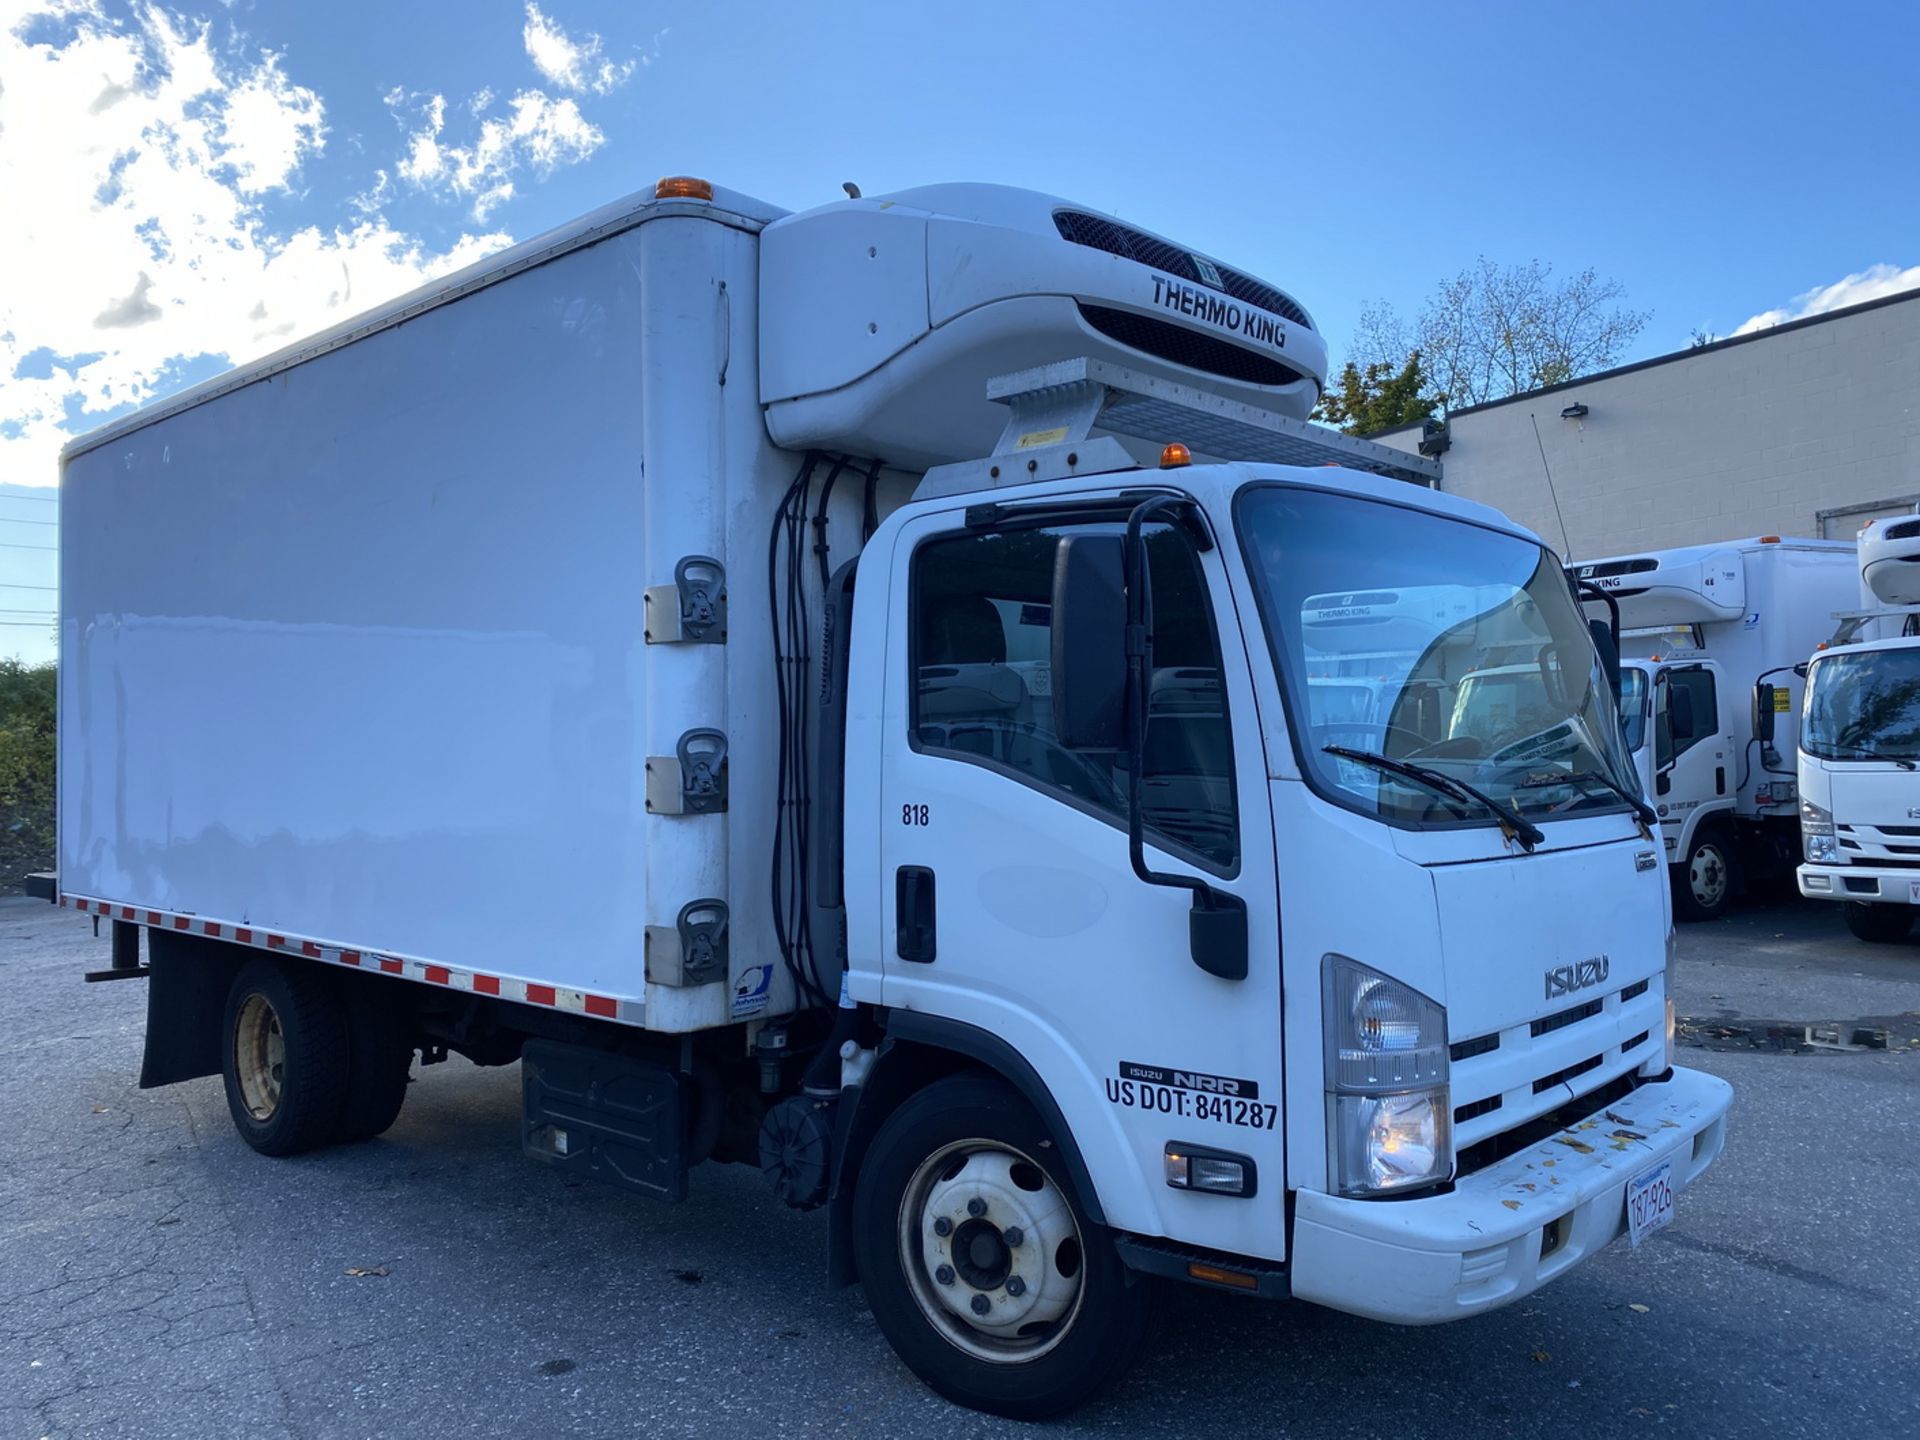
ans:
x=1478 y=618
x=1864 y=705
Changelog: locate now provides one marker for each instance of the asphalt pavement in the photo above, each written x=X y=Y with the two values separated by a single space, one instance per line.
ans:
x=159 y=1279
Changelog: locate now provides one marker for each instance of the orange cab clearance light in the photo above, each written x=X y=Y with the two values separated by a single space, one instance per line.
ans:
x=682 y=187
x=1174 y=456
x=1769 y=539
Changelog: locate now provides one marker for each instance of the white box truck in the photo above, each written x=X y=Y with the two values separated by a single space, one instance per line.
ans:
x=779 y=679
x=1860 y=744
x=1701 y=627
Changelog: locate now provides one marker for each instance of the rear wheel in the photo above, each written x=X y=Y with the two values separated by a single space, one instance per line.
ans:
x=1881 y=924
x=1703 y=882
x=980 y=1265
x=285 y=1061
x=380 y=1057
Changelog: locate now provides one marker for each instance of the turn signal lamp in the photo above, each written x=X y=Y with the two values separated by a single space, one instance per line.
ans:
x=682 y=187
x=1220 y=1275
x=1174 y=456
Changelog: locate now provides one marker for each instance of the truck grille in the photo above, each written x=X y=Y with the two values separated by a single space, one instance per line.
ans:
x=1510 y=1083
x=1097 y=232
x=1894 y=845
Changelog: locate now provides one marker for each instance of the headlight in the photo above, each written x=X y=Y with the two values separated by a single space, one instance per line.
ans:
x=1816 y=835
x=1391 y=1142
x=1389 y=1114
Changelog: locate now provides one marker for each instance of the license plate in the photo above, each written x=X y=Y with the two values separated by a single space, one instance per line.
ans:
x=1913 y=891
x=1650 y=1203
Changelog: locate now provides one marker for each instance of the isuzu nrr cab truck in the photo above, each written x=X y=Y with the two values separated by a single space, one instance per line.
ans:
x=1703 y=626
x=1860 y=745
x=833 y=692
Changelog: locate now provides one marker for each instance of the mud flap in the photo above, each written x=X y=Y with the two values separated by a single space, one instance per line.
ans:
x=189 y=976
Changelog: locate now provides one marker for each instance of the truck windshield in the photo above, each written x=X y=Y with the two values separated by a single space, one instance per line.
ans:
x=1864 y=706
x=1478 y=663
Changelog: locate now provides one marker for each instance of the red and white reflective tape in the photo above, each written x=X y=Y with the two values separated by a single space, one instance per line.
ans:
x=527 y=992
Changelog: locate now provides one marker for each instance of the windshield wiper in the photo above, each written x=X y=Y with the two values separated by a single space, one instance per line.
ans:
x=1641 y=808
x=1860 y=752
x=1512 y=821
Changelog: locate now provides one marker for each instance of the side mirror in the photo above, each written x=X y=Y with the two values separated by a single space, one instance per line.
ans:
x=1662 y=731
x=1763 y=702
x=1680 y=710
x=1089 y=653
x=1602 y=634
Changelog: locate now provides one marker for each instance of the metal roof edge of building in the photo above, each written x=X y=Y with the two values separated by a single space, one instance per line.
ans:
x=1690 y=353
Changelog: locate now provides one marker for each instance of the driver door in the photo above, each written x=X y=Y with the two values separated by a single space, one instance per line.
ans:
x=1011 y=905
x=1692 y=751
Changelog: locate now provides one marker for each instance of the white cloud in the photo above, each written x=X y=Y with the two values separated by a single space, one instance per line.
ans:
x=136 y=209
x=1856 y=289
x=537 y=131
x=571 y=64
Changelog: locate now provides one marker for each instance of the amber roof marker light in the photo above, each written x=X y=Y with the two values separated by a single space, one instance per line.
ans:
x=682 y=187
x=1174 y=456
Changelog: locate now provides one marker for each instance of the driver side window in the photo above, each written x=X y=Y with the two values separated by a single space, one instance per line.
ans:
x=982 y=683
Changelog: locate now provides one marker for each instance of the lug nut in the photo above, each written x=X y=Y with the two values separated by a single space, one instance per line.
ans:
x=976 y=1207
x=1016 y=1286
x=943 y=1227
x=1013 y=1235
x=944 y=1274
x=981 y=1304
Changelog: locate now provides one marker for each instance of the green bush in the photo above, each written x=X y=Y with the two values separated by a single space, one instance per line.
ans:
x=26 y=770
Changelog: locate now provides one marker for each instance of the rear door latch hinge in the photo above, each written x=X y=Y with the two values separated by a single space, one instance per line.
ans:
x=693 y=780
x=692 y=610
x=692 y=950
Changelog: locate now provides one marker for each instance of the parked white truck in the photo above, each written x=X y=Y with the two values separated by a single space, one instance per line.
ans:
x=750 y=669
x=1701 y=627
x=1860 y=744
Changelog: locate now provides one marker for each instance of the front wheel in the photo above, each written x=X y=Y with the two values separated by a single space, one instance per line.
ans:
x=1880 y=924
x=1703 y=882
x=982 y=1270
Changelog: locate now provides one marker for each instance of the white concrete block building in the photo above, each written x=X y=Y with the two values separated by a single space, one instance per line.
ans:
x=1809 y=428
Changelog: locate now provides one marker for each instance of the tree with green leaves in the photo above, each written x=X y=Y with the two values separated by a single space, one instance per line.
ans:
x=1380 y=397
x=27 y=700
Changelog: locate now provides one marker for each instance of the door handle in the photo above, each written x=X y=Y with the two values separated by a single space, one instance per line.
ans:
x=913 y=913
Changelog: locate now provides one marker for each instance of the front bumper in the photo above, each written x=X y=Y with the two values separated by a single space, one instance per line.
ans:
x=1889 y=886
x=1418 y=1262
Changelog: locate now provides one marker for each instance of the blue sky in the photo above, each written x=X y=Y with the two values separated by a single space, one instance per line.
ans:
x=197 y=184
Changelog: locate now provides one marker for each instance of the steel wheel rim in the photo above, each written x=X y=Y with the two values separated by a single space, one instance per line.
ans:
x=1707 y=874
x=1034 y=1289
x=259 y=1057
